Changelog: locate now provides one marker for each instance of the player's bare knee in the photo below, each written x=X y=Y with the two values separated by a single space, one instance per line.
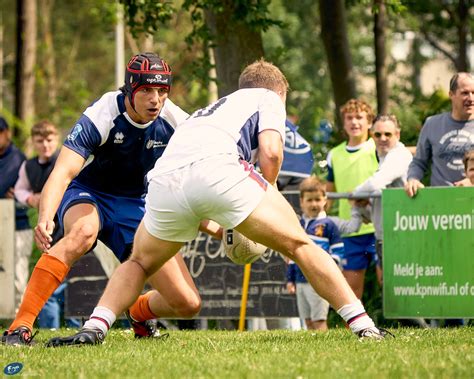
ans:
x=81 y=238
x=187 y=307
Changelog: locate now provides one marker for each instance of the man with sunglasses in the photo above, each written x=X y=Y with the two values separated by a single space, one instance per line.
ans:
x=394 y=159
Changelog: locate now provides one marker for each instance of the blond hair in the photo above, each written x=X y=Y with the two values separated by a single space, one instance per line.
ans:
x=262 y=74
x=356 y=106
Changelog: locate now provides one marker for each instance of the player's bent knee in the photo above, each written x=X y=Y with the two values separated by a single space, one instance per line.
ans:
x=82 y=238
x=186 y=307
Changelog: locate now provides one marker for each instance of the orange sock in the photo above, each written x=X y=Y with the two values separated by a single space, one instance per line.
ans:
x=140 y=311
x=47 y=275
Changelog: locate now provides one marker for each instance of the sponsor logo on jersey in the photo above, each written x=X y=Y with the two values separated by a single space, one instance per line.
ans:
x=152 y=144
x=75 y=132
x=85 y=194
x=119 y=137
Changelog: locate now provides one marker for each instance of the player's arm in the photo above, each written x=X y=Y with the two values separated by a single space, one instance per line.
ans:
x=68 y=165
x=270 y=154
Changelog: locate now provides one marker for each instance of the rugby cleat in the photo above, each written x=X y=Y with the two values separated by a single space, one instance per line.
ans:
x=82 y=337
x=145 y=329
x=19 y=337
x=373 y=333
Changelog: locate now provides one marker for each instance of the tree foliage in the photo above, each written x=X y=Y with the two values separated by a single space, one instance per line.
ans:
x=447 y=25
x=81 y=52
x=147 y=16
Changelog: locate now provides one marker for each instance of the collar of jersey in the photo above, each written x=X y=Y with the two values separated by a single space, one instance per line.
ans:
x=320 y=216
x=136 y=124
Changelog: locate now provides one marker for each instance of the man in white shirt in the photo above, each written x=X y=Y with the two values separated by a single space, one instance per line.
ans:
x=394 y=159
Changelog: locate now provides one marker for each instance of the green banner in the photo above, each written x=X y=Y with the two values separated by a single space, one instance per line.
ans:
x=428 y=253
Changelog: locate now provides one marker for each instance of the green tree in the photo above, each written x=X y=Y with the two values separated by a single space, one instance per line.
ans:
x=447 y=26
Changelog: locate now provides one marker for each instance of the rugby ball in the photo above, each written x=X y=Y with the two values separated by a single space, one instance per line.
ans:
x=240 y=249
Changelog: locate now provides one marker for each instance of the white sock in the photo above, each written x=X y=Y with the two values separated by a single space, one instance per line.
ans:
x=355 y=316
x=102 y=318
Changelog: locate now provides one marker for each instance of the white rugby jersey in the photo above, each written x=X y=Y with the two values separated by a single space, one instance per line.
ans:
x=229 y=126
x=123 y=151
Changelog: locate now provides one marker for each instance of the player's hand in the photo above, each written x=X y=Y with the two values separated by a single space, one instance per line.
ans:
x=412 y=186
x=291 y=288
x=43 y=232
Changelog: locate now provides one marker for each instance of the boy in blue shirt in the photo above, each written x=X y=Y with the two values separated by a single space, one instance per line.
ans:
x=325 y=233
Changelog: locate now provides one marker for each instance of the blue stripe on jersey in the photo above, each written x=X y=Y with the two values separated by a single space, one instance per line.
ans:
x=123 y=153
x=248 y=141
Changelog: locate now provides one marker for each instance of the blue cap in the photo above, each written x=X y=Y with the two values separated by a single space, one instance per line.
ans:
x=3 y=124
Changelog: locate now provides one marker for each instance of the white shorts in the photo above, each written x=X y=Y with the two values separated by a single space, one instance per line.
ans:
x=221 y=189
x=310 y=305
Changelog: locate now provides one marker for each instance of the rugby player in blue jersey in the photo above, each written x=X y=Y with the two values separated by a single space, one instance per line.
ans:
x=214 y=179
x=96 y=191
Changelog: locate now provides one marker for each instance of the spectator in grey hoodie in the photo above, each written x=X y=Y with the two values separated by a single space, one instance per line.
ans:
x=444 y=139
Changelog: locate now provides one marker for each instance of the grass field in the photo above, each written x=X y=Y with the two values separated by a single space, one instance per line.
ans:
x=429 y=353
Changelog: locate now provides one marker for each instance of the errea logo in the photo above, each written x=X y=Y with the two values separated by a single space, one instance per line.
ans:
x=119 y=137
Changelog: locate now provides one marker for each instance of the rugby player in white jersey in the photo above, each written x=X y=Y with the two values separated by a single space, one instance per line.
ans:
x=125 y=132
x=206 y=172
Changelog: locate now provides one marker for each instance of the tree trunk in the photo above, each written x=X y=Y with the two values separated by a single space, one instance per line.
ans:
x=416 y=61
x=45 y=7
x=336 y=44
x=462 y=63
x=236 y=45
x=25 y=62
x=381 y=71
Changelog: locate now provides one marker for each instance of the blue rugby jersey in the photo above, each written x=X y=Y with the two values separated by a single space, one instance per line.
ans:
x=324 y=233
x=120 y=151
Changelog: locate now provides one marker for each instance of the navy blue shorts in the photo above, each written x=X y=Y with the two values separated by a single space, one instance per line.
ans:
x=359 y=252
x=119 y=216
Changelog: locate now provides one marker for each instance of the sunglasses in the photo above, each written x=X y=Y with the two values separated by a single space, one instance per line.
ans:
x=386 y=134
